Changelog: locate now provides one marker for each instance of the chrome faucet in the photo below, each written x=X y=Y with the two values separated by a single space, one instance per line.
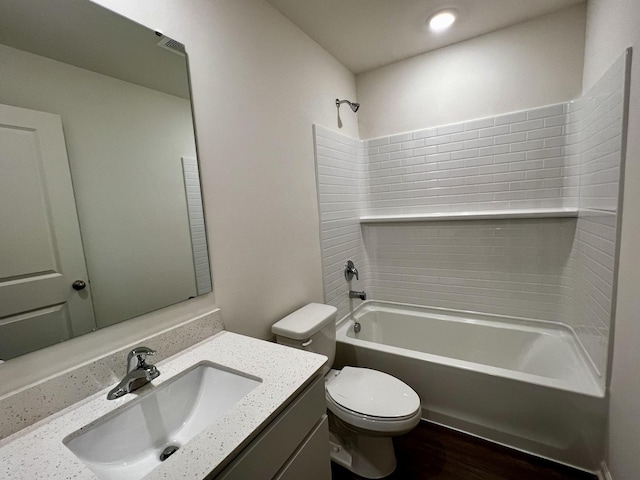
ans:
x=350 y=270
x=361 y=295
x=139 y=373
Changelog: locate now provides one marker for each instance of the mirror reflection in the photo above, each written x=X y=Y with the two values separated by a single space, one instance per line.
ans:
x=100 y=200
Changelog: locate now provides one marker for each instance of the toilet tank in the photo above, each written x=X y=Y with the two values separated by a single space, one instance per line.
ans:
x=311 y=328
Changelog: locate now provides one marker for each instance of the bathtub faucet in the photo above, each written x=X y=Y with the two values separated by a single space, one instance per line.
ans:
x=361 y=295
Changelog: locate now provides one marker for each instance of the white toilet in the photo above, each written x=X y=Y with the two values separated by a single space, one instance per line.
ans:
x=366 y=407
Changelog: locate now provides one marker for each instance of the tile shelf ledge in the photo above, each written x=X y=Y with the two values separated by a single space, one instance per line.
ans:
x=474 y=215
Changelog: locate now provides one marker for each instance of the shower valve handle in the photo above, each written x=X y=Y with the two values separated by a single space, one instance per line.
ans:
x=350 y=270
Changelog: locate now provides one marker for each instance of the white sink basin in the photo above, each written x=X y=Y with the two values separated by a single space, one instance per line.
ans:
x=127 y=443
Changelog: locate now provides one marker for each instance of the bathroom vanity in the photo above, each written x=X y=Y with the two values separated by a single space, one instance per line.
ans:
x=278 y=430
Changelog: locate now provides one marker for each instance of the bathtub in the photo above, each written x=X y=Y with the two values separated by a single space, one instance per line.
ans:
x=523 y=383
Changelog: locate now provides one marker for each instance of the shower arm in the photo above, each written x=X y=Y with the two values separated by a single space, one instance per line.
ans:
x=354 y=106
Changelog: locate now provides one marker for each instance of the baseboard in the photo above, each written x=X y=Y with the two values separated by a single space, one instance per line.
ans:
x=604 y=473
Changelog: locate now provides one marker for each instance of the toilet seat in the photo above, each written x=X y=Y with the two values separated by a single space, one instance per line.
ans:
x=372 y=400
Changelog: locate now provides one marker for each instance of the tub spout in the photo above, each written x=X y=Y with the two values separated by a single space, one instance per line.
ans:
x=361 y=295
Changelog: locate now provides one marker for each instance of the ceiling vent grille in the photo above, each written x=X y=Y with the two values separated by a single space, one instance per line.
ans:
x=171 y=45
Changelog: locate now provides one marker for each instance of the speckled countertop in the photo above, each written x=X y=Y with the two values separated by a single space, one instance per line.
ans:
x=38 y=452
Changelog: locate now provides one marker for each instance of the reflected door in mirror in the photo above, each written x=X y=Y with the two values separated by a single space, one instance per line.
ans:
x=41 y=251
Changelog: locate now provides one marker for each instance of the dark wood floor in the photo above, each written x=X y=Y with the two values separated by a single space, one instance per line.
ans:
x=431 y=452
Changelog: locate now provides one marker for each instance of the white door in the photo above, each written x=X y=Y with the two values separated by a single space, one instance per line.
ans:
x=40 y=247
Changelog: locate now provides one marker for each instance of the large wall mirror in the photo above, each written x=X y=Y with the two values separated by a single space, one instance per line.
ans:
x=101 y=216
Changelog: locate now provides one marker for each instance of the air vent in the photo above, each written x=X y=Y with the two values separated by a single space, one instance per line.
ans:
x=171 y=45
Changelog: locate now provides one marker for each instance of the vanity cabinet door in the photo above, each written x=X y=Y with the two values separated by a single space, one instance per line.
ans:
x=311 y=461
x=270 y=451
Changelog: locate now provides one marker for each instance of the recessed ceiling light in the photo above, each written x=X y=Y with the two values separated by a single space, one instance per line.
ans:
x=442 y=20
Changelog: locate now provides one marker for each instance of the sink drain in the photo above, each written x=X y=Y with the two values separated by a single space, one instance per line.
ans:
x=167 y=452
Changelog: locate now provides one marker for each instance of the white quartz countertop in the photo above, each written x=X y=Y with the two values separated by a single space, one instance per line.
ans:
x=38 y=452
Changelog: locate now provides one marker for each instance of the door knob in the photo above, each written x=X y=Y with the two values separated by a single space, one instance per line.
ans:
x=78 y=285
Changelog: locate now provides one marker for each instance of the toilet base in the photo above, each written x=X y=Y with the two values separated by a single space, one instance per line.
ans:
x=364 y=455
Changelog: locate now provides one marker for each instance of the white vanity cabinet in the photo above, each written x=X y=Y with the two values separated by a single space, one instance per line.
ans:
x=295 y=445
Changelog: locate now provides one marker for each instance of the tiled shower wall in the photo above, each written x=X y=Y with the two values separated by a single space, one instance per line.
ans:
x=504 y=162
x=341 y=190
x=565 y=155
x=597 y=118
x=508 y=267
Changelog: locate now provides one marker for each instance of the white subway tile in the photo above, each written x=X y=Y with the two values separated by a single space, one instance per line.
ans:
x=509 y=177
x=555 y=142
x=425 y=150
x=511 y=138
x=448 y=129
x=413 y=160
x=544 y=193
x=525 y=126
x=382 y=157
x=376 y=142
x=526 y=165
x=400 y=154
x=403 y=137
x=430 y=132
x=549 y=111
x=544 y=153
x=451 y=164
x=509 y=157
x=439 y=140
x=510 y=195
x=464 y=154
x=493 y=169
x=427 y=167
x=544 y=133
x=470 y=135
x=560 y=120
x=544 y=173
x=493 y=131
x=394 y=147
x=510 y=118
x=481 y=142
x=450 y=147
x=478 y=124
x=493 y=187
x=478 y=179
x=554 y=183
x=390 y=163
x=554 y=163
x=524 y=146
x=477 y=161
x=525 y=185
x=495 y=150
x=412 y=144
x=414 y=177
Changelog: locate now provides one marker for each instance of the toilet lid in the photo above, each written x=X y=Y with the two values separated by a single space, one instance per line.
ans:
x=373 y=393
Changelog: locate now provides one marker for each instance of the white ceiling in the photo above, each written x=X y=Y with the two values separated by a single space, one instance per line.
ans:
x=366 y=34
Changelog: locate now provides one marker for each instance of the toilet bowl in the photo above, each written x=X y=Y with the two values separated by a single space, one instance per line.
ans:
x=366 y=407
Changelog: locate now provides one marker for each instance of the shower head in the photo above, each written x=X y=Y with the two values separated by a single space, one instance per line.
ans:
x=354 y=106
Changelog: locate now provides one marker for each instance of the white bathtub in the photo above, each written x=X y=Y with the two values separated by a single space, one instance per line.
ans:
x=523 y=383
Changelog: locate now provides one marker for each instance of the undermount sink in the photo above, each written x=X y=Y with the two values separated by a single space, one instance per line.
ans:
x=130 y=442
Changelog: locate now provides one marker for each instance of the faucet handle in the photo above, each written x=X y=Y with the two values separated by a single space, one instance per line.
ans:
x=142 y=351
x=138 y=356
x=350 y=270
